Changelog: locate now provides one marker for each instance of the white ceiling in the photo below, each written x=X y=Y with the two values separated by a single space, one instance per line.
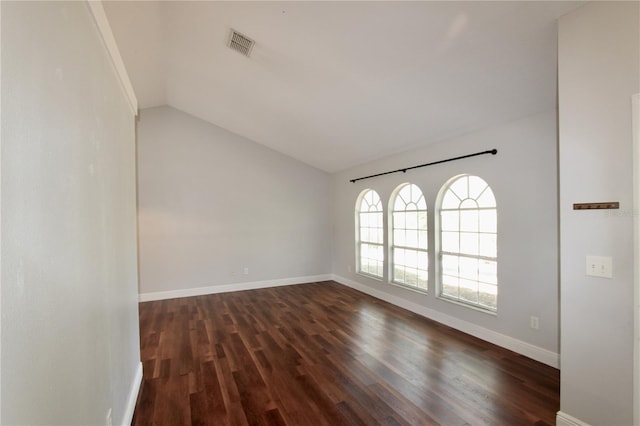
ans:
x=336 y=84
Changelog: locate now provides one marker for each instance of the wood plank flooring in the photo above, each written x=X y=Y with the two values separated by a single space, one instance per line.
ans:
x=324 y=354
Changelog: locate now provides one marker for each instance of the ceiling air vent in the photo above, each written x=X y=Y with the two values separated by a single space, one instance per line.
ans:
x=240 y=42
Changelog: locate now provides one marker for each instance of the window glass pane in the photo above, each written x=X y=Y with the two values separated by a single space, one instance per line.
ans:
x=368 y=198
x=469 y=290
x=422 y=279
x=412 y=220
x=364 y=264
x=373 y=251
x=364 y=219
x=411 y=276
x=488 y=245
x=487 y=199
x=375 y=199
x=469 y=268
x=379 y=220
x=476 y=186
x=460 y=187
x=411 y=258
x=370 y=235
x=379 y=271
x=450 y=242
x=412 y=238
x=450 y=265
x=379 y=253
x=449 y=220
x=405 y=193
x=373 y=219
x=398 y=238
x=488 y=220
x=423 y=260
x=398 y=274
x=398 y=220
x=487 y=272
x=398 y=256
x=422 y=240
x=469 y=243
x=468 y=204
x=450 y=201
x=364 y=234
x=450 y=286
x=469 y=220
x=422 y=204
x=422 y=220
x=488 y=295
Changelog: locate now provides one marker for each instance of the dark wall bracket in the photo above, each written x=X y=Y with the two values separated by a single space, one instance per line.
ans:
x=597 y=206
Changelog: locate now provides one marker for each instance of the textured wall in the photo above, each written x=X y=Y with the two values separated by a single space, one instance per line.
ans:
x=599 y=71
x=70 y=349
x=212 y=203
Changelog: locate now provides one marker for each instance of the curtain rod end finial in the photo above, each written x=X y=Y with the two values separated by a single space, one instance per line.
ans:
x=494 y=151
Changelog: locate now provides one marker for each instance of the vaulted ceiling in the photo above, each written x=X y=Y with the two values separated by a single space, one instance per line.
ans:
x=336 y=84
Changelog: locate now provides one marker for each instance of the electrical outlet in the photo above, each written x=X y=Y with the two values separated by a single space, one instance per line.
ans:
x=109 y=421
x=534 y=323
x=245 y=271
x=599 y=266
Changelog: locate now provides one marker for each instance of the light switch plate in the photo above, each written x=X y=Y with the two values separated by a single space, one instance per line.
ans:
x=599 y=266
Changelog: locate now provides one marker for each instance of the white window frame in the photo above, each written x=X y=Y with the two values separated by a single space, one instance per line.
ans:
x=413 y=236
x=490 y=262
x=369 y=211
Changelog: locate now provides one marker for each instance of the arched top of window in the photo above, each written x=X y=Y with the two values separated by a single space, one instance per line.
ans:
x=408 y=197
x=467 y=192
x=369 y=201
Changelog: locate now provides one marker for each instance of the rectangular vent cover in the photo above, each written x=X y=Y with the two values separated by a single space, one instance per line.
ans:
x=240 y=43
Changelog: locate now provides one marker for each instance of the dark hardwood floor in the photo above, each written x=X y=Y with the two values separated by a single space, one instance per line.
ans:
x=324 y=354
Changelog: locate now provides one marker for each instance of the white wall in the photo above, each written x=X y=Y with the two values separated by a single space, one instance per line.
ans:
x=524 y=179
x=598 y=74
x=212 y=203
x=70 y=343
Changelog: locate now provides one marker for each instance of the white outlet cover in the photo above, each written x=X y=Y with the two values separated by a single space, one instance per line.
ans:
x=599 y=266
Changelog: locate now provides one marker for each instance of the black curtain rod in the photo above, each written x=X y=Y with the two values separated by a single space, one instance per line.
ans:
x=492 y=152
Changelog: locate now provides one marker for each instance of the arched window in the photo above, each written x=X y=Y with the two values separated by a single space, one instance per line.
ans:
x=408 y=237
x=468 y=243
x=370 y=231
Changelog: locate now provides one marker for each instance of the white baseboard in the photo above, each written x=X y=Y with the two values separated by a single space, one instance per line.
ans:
x=200 y=291
x=133 y=397
x=534 y=352
x=563 y=419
